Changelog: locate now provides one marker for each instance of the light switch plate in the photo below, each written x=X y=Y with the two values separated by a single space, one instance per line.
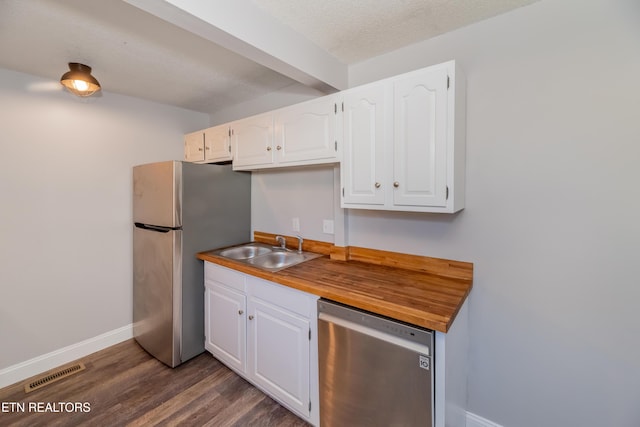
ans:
x=295 y=224
x=327 y=226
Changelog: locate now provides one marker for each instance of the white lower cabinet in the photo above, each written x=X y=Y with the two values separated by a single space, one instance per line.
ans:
x=267 y=333
x=225 y=306
x=279 y=352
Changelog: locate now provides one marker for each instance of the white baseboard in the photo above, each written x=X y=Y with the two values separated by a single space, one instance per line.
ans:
x=474 y=420
x=37 y=365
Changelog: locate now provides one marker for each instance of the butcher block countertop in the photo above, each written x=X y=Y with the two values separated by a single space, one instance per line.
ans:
x=423 y=291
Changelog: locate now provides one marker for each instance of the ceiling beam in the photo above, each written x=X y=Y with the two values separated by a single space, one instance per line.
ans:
x=243 y=28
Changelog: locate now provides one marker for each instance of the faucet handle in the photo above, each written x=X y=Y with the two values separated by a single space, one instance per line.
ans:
x=282 y=241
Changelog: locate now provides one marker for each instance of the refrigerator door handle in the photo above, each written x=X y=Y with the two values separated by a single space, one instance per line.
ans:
x=157 y=228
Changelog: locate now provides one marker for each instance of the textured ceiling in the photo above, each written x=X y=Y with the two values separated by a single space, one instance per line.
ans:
x=136 y=53
x=353 y=31
x=130 y=51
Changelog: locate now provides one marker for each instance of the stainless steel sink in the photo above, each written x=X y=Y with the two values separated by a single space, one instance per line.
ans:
x=281 y=259
x=244 y=252
x=266 y=257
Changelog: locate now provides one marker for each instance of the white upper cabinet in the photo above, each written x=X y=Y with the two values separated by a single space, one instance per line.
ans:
x=208 y=146
x=307 y=132
x=217 y=144
x=366 y=127
x=400 y=141
x=194 y=147
x=420 y=139
x=404 y=142
x=302 y=134
x=252 y=142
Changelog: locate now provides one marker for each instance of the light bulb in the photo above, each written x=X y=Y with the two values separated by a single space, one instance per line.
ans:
x=81 y=85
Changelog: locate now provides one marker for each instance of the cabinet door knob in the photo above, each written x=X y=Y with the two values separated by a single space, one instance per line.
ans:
x=269 y=148
x=396 y=184
x=240 y=312
x=206 y=148
x=278 y=148
x=199 y=149
x=377 y=185
x=251 y=317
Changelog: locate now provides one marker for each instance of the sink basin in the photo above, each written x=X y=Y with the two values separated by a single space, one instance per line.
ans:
x=244 y=252
x=278 y=260
x=265 y=256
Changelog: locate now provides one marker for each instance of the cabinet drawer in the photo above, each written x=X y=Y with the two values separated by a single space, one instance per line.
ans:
x=226 y=276
x=293 y=300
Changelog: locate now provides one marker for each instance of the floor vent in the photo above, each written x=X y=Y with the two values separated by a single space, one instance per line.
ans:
x=53 y=377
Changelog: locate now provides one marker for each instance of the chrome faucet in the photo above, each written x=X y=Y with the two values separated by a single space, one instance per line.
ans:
x=282 y=241
x=300 y=240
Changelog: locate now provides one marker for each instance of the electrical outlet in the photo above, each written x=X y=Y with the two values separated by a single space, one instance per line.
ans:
x=327 y=226
x=295 y=224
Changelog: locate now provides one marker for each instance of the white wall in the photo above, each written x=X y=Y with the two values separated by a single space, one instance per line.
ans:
x=65 y=209
x=553 y=142
x=551 y=220
x=278 y=196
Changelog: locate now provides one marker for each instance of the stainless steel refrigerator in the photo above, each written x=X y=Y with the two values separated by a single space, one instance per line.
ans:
x=180 y=209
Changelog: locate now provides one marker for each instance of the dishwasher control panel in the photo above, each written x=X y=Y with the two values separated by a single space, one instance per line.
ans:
x=375 y=321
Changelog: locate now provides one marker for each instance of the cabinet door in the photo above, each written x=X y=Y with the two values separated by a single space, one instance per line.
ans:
x=194 y=147
x=307 y=132
x=225 y=325
x=366 y=131
x=420 y=139
x=216 y=144
x=279 y=354
x=252 y=142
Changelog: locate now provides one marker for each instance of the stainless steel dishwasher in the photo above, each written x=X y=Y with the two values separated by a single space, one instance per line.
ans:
x=373 y=371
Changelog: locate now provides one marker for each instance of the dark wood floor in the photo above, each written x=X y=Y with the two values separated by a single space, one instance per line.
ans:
x=124 y=386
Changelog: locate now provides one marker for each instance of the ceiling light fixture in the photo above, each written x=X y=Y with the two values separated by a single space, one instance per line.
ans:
x=79 y=81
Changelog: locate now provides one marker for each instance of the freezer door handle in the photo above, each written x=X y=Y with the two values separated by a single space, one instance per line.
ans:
x=156 y=228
